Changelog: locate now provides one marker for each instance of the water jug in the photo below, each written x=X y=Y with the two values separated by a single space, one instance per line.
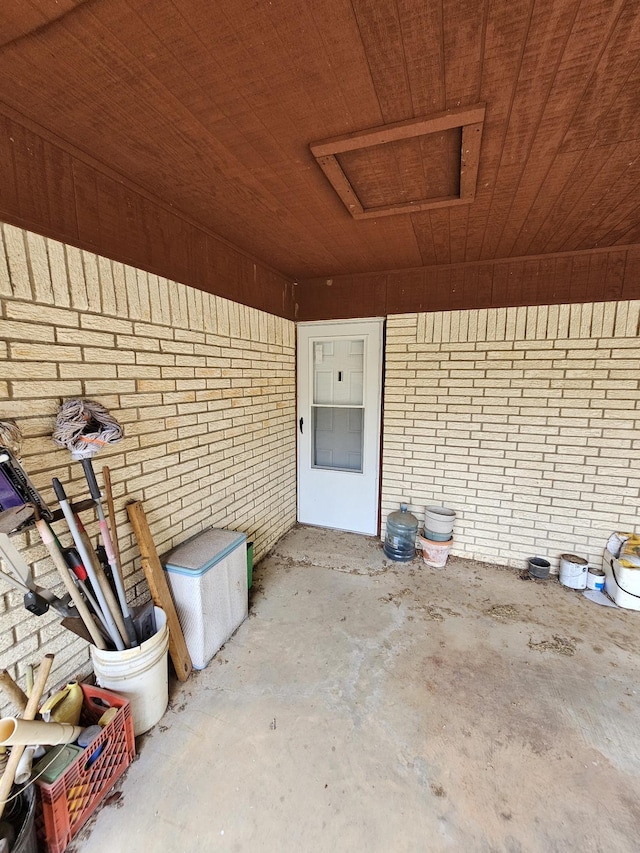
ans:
x=400 y=541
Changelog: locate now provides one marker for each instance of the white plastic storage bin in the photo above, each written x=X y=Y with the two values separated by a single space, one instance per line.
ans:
x=621 y=582
x=207 y=575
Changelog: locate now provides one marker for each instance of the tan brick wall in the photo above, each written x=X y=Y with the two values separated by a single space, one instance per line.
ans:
x=526 y=421
x=204 y=388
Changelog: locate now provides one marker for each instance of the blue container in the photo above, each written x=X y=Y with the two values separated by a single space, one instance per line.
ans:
x=400 y=541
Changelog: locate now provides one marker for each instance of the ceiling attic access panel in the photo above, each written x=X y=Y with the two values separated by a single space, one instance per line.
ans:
x=408 y=166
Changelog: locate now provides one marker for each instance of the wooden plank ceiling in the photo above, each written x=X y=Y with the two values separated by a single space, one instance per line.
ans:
x=209 y=108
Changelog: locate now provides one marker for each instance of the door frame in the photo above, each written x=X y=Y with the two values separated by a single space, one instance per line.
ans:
x=330 y=326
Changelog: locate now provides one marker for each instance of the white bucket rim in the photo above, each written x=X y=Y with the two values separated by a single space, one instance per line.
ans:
x=111 y=655
x=441 y=511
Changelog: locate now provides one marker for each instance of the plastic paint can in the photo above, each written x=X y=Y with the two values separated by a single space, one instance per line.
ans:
x=595 y=579
x=573 y=571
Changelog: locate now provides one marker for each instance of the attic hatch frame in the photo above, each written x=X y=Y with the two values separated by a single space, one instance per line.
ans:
x=470 y=119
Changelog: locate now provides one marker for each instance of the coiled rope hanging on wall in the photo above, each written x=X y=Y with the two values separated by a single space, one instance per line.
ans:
x=84 y=427
x=11 y=437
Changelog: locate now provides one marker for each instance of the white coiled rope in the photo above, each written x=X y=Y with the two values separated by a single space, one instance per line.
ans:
x=11 y=437
x=84 y=427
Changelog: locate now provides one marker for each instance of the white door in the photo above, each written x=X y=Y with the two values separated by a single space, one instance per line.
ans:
x=339 y=407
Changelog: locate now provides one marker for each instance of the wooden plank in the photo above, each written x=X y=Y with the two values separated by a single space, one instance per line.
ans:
x=421 y=223
x=441 y=235
x=500 y=286
x=18 y=19
x=547 y=34
x=340 y=183
x=421 y=31
x=470 y=286
x=456 y=288
x=614 y=280
x=613 y=167
x=578 y=276
x=159 y=589
x=445 y=120
x=585 y=40
x=409 y=207
x=470 y=160
x=605 y=228
x=463 y=40
x=616 y=59
x=539 y=280
x=503 y=48
x=631 y=284
x=597 y=275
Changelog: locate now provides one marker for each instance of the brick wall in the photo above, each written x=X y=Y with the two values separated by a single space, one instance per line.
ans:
x=204 y=388
x=526 y=421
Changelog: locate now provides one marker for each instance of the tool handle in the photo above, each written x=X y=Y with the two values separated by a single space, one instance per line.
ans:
x=63 y=570
x=106 y=476
x=29 y=714
x=75 y=563
x=89 y=473
x=100 y=584
x=58 y=488
x=85 y=551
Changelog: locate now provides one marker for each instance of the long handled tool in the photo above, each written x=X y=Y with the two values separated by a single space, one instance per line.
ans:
x=108 y=593
x=19 y=575
x=108 y=546
x=80 y=574
x=87 y=561
x=63 y=570
x=29 y=714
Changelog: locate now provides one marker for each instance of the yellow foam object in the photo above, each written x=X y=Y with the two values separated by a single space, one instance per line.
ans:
x=65 y=705
x=106 y=718
x=630 y=554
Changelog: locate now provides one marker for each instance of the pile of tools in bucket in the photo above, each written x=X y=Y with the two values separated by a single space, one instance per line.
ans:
x=81 y=724
x=95 y=604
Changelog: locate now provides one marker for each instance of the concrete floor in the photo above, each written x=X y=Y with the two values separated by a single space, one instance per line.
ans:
x=372 y=706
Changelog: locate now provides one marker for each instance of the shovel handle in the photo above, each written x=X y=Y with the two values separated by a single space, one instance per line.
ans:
x=89 y=473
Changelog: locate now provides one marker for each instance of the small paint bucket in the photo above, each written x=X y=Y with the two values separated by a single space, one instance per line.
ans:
x=595 y=579
x=539 y=568
x=573 y=571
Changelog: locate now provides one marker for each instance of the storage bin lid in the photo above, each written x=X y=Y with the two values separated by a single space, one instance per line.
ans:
x=203 y=551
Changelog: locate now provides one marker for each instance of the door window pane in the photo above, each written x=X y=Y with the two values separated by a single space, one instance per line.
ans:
x=338 y=371
x=337 y=436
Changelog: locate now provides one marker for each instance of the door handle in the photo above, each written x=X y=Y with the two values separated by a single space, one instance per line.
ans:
x=301 y=422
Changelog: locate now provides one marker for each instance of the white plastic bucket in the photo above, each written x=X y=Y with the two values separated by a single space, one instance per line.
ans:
x=439 y=519
x=435 y=554
x=573 y=571
x=139 y=674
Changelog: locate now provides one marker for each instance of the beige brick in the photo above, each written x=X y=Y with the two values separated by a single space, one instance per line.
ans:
x=83 y=337
x=44 y=389
x=108 y=356
x=16 y=257
x=92 y=281
x=38 y=261
x=143 y=294
x=28 y=370
x=33 y=312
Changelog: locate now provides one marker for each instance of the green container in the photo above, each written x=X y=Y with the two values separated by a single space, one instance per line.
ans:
x=249 y=564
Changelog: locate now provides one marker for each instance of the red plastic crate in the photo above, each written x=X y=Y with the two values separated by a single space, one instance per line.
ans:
x=65 y=806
